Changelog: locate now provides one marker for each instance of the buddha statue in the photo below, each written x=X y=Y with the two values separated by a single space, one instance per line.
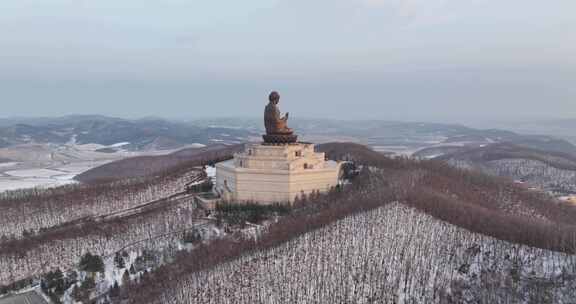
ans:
x=274 y=122
x=277 y=131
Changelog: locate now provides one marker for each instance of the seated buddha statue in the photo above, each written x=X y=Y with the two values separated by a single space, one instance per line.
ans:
x=277 y=130
x=274 y=122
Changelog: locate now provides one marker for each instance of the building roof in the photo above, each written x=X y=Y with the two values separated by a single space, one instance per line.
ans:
x=29 y=297
x=227 y=163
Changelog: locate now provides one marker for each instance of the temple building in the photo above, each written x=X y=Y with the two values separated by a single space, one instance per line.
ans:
x=279 y=169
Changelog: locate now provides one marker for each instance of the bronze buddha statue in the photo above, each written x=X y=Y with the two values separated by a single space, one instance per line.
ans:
x=277 y=131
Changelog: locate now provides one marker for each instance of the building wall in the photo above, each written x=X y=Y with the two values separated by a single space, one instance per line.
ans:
x=264 y=186
x=271 y=174
x=313 y=180
x=225 y=180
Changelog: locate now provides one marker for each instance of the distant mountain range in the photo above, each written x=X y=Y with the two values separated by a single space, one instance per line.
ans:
x=420 y=138
x=136 y=135
x=403 y=137
x=505 y=151
x=563 y=128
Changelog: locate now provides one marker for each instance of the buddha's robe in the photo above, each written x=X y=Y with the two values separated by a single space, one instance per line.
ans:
x=274 y=123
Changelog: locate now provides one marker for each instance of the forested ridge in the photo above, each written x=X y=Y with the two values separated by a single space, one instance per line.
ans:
x=474 y=201
x=484 y=231
x=46 y=229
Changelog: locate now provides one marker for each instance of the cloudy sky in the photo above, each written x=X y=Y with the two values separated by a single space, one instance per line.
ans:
x=436 y=60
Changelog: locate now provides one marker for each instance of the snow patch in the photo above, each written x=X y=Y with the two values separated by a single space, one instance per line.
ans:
x=10 y=164
x=118 y=145
x=197 y=145
x=211 y=172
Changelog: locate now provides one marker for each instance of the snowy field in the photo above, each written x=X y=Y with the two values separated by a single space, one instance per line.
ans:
x=43 y=177
x=51 y=166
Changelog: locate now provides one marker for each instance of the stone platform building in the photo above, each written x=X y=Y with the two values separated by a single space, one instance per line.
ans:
x=277 y=170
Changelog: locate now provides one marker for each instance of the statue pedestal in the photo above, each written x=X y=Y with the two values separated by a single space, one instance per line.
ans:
x=275 y=173
x=280 y=138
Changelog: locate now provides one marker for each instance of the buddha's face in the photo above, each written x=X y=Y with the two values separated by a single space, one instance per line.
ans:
x=274 y=97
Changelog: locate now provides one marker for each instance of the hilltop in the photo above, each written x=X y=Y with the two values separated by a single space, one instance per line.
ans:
x=486 y=225
x=133 y=135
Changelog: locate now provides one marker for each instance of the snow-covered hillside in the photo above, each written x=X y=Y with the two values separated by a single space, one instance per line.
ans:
x=46 y=209
x=534 y=173
x=62 y=249
x=391 y=255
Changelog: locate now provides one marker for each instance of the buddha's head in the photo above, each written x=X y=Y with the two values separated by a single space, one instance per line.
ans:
x=274 y=97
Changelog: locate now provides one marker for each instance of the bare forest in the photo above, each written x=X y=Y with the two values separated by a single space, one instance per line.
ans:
x=484 y=240
x=403 y=231
x=393 y=254
x=42 y=230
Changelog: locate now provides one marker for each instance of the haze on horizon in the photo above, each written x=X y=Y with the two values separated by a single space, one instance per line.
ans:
x=454 y=60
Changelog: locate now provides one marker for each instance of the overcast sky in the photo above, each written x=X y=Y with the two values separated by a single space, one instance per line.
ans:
x=453 y=60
